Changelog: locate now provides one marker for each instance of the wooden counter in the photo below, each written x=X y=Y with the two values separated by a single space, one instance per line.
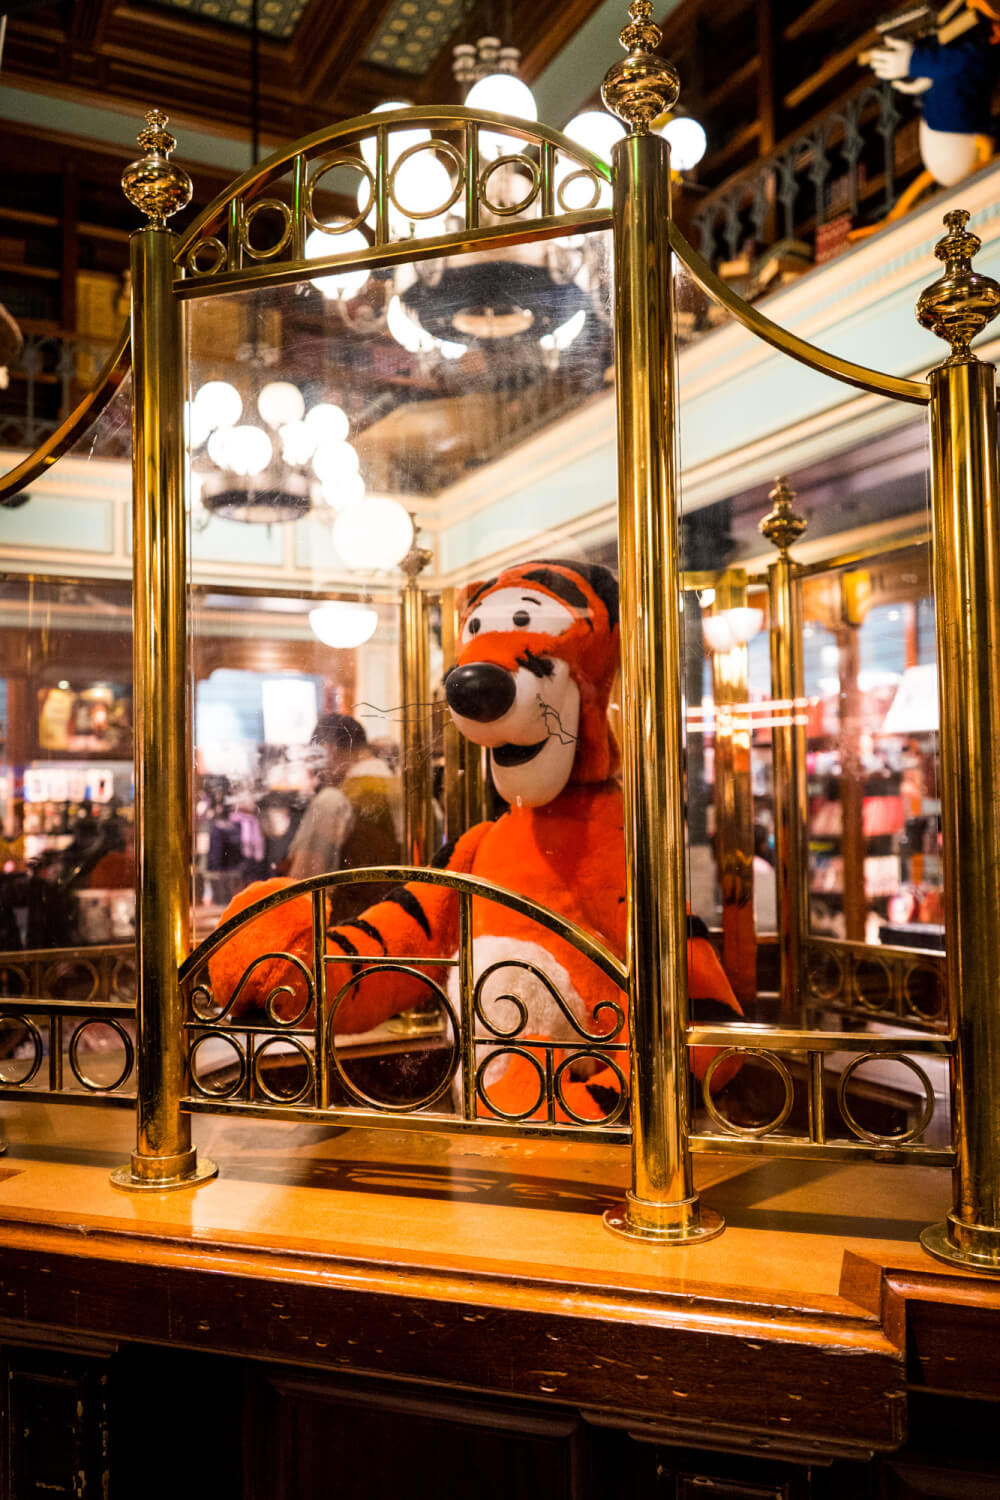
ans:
x=482 y=1266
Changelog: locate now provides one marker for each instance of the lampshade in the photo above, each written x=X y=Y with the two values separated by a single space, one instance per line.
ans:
x=219 y=404
x=280 y=402
x=343 y=624
x=340 y=286
x=687 y=141
x=374 y=534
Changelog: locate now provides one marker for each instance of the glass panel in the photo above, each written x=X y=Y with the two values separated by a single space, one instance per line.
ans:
x=474 y=393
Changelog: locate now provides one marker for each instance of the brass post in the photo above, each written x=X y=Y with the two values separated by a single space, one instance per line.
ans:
x=965 y=491
x=782 y=526
x=662 y=1204
x=164 y=1156
x=414 y=681
x=733 y=794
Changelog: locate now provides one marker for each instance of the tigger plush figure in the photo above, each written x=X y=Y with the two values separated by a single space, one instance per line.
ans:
x=538 y=655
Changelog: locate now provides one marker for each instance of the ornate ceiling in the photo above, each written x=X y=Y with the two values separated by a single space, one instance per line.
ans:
x=319 y=59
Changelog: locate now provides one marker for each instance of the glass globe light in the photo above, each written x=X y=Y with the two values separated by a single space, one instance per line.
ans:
x=248 y=450
x=595 y=130
x=502 y=94
x=398 y=140
x=334 y=461
x=298 y=443
x=340 y=286
x=327 y=423
x=196 y=425
x=343 y=490
x=343 y=625
x=687 y=140
x=280 y=402
x=406 y=330
x=563 y=336
x=373 y=534
x=217 y=447
x=219 y=404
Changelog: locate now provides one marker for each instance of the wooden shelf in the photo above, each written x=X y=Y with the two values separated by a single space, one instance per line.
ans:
x=103 y=232
x=28 y=216
x=731 y=85
x=833 y=65
x=808 y=19
x=733 y=146
x=36 y=273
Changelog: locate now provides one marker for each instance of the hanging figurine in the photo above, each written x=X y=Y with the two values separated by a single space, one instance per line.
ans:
x=952 y=64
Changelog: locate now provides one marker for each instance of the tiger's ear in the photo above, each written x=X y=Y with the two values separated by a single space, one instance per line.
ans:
x=466 y=596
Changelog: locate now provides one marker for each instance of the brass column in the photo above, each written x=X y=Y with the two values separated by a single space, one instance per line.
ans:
x=415 y=693
x=662 y=1204
x=965 y=486
x=164 y=1156
x=782 y=526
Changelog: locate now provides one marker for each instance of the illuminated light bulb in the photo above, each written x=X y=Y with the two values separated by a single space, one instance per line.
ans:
x=298 y=442
x=595 y=130
x=732 y=627
x=687 y=140
x=219 y=404
x=327 y=423
x=343 y=625
x=334 y=461
x=374 y=534
x=343 y=490
x=217 y=447
x=406 y=330
x=248 y=450
x=502 y=94
x=563 y=336
x=398 y=142
x=339 y=286
x=280 y=402
x=450 y=349
x=196 y=425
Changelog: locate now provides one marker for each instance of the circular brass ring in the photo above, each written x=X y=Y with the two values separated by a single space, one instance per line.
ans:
x=780 y=1067
x=51 y=976
x=370 y=1100
x=868 y=1135
x=36 y=1061
x=447 y=149
x=210 y=242
x=264 y=205
x=202 y=992
x=858 y=995
x=91 y=1084
x=124 y=989
x=202 y=1088
x=307 y=1088
x=608 y=1061
x=483 y=1096
x=587 y=175
x=355 y=163
x=526 y=201
x=911 y=1000
x=819 y=988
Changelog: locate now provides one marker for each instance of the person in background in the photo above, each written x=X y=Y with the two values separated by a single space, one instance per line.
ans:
x=353 y=820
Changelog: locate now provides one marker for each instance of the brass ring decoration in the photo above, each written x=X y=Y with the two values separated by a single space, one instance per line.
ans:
x=266 y=205
x=91 y=1084
x=275 y=1096
x=780 y=1067
x=230 y=1089
x=521 y=1009
x=123 y=980
x=438 y=147
x=327 y=164
x=580 y=175
x=534 y=185
x=820 y=986
x=867 y=1135
x=201 y=994
x=359 y=1095
x=51 y=978
x=616 y=1112
x=879 y=967
x=544 y=1095
x=913 y=1001
x=38 y=1052
x=210 y=242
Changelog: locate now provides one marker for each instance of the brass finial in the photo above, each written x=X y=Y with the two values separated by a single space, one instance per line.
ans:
x=782 y=525
x=962 y=302
x=155 y=184
x=642 y=85
x=418 y=558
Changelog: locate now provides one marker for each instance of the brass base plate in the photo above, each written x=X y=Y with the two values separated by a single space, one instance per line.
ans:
x=708 y=1226
x=204 y=1170
x=937 y=1242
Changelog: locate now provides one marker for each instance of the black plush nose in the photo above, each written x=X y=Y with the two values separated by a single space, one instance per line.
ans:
x=480 y=691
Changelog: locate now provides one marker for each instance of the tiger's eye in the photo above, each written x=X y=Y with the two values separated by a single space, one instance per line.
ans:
x=522 y=618
x=474 y=626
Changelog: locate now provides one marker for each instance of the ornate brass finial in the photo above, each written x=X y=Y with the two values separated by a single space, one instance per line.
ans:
x=418 y=558
x=642 y=85
x=782 y=525
x=961 y=303
x=155 y=184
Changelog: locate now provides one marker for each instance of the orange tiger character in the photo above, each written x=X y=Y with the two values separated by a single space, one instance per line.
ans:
x=538 y=655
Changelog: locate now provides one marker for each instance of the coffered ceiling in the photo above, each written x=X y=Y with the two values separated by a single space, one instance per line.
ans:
x=319 y=60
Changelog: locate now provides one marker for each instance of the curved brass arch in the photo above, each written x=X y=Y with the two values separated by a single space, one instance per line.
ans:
x=591 y=947
x=762 y=327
